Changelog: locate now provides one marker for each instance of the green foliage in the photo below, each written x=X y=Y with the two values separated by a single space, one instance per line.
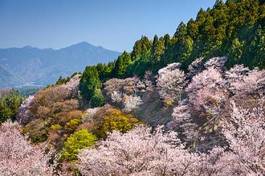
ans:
x=157 y=49
x=233 y=28
x=28 y=90
x=141 y=48
x=77 y=141
x=114 y=119
x=97 y=99
x=62 y=80
x=72 y=125
x=36 y=130
x=89 y=82
x=105 y=70
x=236 y=50
x=121 y=65
x=56 y=127
x=9 y=105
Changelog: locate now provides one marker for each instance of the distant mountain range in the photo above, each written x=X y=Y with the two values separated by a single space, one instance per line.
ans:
x=38 y=67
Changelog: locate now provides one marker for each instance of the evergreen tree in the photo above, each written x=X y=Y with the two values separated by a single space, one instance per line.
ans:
x=141 y=48
x=157 y=50
x=89 y=82
x=121 y=65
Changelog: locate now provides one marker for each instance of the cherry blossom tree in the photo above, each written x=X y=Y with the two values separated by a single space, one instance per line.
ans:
x=183 y=122
x=207 y=90
x=170 y=82
x=131 y=102
x=246 y=136
x=216 y=62
x=18 y=157
x=138 y=152
x=195 y=67
x=143 y=151
x=126 y=93
x=241 y=80
x=24 y=115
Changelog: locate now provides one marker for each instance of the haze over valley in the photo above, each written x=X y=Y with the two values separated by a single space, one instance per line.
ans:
x=30 y=66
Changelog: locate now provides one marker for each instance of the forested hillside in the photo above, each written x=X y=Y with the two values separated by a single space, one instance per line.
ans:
x=172 y=106
x=235 y=29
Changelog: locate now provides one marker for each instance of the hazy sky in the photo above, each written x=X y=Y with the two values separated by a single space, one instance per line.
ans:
x=113 y=24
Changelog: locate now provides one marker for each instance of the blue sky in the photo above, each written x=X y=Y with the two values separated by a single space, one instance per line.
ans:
x=113 y=24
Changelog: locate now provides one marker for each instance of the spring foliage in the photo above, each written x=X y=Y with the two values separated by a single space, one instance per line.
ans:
x=9 y=105
x=77 y=141
x=142 y=152
x=234 y=29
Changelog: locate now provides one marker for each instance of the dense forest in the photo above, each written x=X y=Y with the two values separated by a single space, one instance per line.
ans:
x=172 y=106
x=235 y=29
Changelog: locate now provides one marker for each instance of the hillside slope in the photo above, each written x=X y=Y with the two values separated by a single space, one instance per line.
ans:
x=7 y=79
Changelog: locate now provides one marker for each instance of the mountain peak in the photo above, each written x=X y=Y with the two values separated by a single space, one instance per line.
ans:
x=44 y=66
x=28 y=47
x=81 y=45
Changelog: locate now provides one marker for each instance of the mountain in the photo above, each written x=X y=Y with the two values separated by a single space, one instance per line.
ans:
x=34 y=66
x=7 y=79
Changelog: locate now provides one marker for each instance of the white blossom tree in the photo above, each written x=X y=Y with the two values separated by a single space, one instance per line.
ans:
x=241 y=80
x=245 y=133
x=183 y=121
x=131 y=102
x=138 y=152
x=216 y=62
x=195 y=67
x=207 y=90
x=24 y=115
x=18 y=157
x=170 y=82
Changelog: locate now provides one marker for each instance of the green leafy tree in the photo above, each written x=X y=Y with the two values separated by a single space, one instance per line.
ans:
x=97 y=99
x=184 y=49
x=122 y=64
x=141 y=48
x=89 y=82
x=157 y=50
x=257 y=48
x=77 y=141
x=105 y=70
x=236 y=51
x=181 y=31
x=114 y=119
x=9 y=105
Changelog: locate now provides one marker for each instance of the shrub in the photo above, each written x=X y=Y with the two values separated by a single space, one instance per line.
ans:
x=64 y=117
x=65 y=106
x=77 y=141
x=47 y=97
x=114 y=119
x=56 y=127
x=36 y=130
x=72 y=125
